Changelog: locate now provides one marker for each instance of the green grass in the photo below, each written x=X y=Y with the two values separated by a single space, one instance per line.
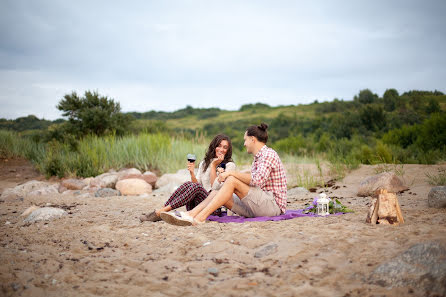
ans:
x=437 y=179
x=94 y=155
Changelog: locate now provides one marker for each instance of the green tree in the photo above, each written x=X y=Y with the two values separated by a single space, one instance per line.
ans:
x=390 y=98
x=373 y=117
x=93 y=114
x=366 y=96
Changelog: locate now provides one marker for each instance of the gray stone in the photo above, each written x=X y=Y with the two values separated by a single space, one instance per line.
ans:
x=299 y=191
x=105 y=180
x=73 y=184
x=422 y=266
x=266 y=250
x=107 y=192
x=214 y=271
x=32 y=187
x=45 y=214
x=176 y=179
x=386 y=180
x=437 y=197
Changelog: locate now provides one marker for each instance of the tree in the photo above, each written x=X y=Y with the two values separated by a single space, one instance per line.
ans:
x=390 y=98
x=366 y=96
x=93 y=114
x=373 y=117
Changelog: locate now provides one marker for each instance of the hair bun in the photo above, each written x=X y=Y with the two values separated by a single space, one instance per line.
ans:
x=263 y=126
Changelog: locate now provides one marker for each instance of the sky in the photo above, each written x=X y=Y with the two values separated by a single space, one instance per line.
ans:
x=164 y=55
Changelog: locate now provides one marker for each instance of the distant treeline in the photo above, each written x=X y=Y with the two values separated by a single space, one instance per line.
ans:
x=408 y=127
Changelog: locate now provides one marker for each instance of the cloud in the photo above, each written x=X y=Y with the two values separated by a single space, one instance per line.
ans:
x=164 y=55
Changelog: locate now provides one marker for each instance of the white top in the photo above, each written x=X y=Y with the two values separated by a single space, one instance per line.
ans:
x=204 y=178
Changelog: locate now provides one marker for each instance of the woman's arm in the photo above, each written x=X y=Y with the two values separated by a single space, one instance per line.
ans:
x=191 y=168
x=213 y=165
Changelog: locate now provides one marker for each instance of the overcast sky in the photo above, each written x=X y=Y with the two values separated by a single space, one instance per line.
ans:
x=164 y=55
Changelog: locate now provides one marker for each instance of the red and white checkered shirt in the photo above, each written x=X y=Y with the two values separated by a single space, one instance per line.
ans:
x=267 y=173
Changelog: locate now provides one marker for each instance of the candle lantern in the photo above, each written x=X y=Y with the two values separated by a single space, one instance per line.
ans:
x=322 y=205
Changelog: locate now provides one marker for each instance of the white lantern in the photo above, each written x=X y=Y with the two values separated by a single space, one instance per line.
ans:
x=322 y=205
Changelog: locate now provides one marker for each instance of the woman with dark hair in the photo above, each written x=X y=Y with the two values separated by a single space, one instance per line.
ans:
x=219 y=154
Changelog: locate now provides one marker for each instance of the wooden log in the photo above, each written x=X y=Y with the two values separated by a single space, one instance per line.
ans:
x=385 y=209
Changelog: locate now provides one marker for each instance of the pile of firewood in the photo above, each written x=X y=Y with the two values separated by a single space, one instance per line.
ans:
x=385 y=209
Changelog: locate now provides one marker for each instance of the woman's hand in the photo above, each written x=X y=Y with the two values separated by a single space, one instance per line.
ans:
x=222 y=176
x=218 y=160
x=191 y=167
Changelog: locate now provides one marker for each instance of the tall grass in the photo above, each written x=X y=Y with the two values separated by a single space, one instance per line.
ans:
x=94 y=155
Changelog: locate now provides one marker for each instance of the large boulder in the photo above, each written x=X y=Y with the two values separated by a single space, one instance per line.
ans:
x=422 y=266
x=133 y=187
x=386 y=181
x=44 y=214
x=31 y=188
x=128 y=172
x=105 y=180
x=150 y=178
x=174 y=179
x=73 y=184
x=437 y=197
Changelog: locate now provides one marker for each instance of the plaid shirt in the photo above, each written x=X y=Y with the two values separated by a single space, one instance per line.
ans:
x=267 y=173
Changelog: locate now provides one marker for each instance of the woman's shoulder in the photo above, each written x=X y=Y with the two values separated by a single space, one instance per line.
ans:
x=230 y=165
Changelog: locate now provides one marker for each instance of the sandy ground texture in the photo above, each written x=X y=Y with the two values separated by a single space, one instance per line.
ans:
x=101 y=249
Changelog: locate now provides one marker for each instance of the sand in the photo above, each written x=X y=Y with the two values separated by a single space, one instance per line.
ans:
x=101 y=248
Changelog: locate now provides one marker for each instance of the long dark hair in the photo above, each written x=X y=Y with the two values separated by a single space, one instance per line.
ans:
x=210 y=154
x=259 y=132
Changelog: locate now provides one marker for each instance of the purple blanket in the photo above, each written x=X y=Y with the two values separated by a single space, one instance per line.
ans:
x=289 y=214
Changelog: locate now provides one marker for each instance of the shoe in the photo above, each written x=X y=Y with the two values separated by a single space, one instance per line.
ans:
x=174 y=219
x=151 y=217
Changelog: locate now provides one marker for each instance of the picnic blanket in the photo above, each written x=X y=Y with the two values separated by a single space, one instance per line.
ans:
x=288 y=215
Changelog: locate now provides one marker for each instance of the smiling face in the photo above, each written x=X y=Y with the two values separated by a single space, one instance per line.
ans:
x=222 y=148
x=249 y=143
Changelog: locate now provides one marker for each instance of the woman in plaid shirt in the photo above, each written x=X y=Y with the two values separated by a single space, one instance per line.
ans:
x=194 y=192
x=259 y=193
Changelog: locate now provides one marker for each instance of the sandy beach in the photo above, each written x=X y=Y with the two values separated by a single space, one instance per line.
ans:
x=101 y=248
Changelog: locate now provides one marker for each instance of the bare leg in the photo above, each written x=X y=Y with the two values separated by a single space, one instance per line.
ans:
x=165 y=208
x=224 y=197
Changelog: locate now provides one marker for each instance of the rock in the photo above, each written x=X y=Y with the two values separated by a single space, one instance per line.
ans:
x=73 y=184
x=107 y=192
x=150 y=178
x=88 y=180
x=62 y=189
x=266 y=250
x=105 y=180
x=169 y=188
x=29 y=210
x=49 y=189
x=45 y=214
x=128 y=171
x=437 y=197
x=176 y=179
x=133 y=186
x=26 y=188
x=213 y=271
x=299 y=191
x=386 y=180
x=422 y=266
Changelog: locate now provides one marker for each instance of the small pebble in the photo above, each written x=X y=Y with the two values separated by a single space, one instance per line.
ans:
x=7 y=222
x=213 y=271
x=53 y=282
x=206 y=243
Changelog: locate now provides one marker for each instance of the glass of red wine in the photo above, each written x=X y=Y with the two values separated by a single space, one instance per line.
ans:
x=191 y=158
